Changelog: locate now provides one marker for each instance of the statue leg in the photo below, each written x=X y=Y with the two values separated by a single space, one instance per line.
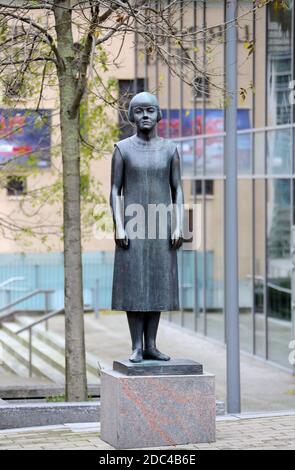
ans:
x=151 y=323
x=136 y=324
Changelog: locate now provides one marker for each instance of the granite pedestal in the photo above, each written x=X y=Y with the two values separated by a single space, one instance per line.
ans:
x=155 y=410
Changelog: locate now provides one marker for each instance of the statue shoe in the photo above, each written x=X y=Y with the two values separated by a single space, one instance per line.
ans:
x=155 y=355
x=136 y=356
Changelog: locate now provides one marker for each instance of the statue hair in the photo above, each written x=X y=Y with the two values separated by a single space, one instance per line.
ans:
x=132 y=104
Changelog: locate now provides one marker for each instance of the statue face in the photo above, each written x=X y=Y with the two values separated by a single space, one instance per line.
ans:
x=145 y=116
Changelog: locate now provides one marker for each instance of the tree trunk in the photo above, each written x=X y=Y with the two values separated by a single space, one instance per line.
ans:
x=76 y=383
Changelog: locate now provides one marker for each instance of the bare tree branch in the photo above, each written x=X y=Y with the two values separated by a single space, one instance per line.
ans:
x=49 y=38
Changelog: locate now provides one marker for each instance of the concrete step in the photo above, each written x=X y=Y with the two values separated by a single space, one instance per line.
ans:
x=5 y=369
x=16 y=415
x=16 y=356
x=47 y=353
x=15 y=364
x=41 y=349
x=57 y=342
x=47 y=346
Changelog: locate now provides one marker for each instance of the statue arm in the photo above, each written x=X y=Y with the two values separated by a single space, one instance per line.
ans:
x=177 y=200
x=117 y=173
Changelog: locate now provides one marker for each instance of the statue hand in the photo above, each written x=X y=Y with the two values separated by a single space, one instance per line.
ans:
x=176 y=239
x=121 y=239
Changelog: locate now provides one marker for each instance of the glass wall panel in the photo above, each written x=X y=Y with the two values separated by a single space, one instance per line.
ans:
x=190 y=161
x=259 y=247
x=279 y=152
x=214 y=151
x=244 y=144
x=187 y=289
x=203 y=258
x=259 y=149
x=279 y=269
x=212 y=100
x=215 y=261
x=264 y=205
x=245 y=264
x=279 y=63
x=245 y=85
x=259 y=72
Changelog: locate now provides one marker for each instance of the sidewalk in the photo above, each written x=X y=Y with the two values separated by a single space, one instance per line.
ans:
x=264 y=387
x=271 y=431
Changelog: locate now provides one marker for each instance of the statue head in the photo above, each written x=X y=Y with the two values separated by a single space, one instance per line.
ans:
x=144 y=111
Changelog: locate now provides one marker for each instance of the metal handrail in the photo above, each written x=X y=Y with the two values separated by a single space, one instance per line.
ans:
x=10 y=280
x=16 y=289
x=5 y=315
x=30 y=327
x=25 y=297
x=41 y=320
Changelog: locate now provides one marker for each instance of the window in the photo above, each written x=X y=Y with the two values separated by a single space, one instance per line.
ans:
x=201 y=88
x=208 y=187
x=16 y=185
x=127 y=89
x=189 y=224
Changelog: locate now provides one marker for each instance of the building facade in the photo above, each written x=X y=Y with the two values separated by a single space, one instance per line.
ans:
x=194 y=117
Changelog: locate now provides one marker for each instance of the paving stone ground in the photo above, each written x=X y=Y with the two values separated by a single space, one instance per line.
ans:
x=233 y=432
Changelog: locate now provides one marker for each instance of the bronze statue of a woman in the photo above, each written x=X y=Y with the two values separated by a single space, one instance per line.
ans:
x=146 y=171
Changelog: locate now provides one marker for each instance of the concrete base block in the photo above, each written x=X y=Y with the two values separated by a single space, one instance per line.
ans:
x=153 y=411
x=44 y=414
x=39 y=391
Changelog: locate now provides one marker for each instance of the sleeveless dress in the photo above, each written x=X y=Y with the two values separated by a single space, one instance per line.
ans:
x=145 y=276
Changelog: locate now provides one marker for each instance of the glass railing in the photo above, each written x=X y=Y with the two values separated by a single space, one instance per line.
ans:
x=260 y=151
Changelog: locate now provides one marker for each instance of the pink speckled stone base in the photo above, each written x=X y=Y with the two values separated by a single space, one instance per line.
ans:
x=153 y=411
